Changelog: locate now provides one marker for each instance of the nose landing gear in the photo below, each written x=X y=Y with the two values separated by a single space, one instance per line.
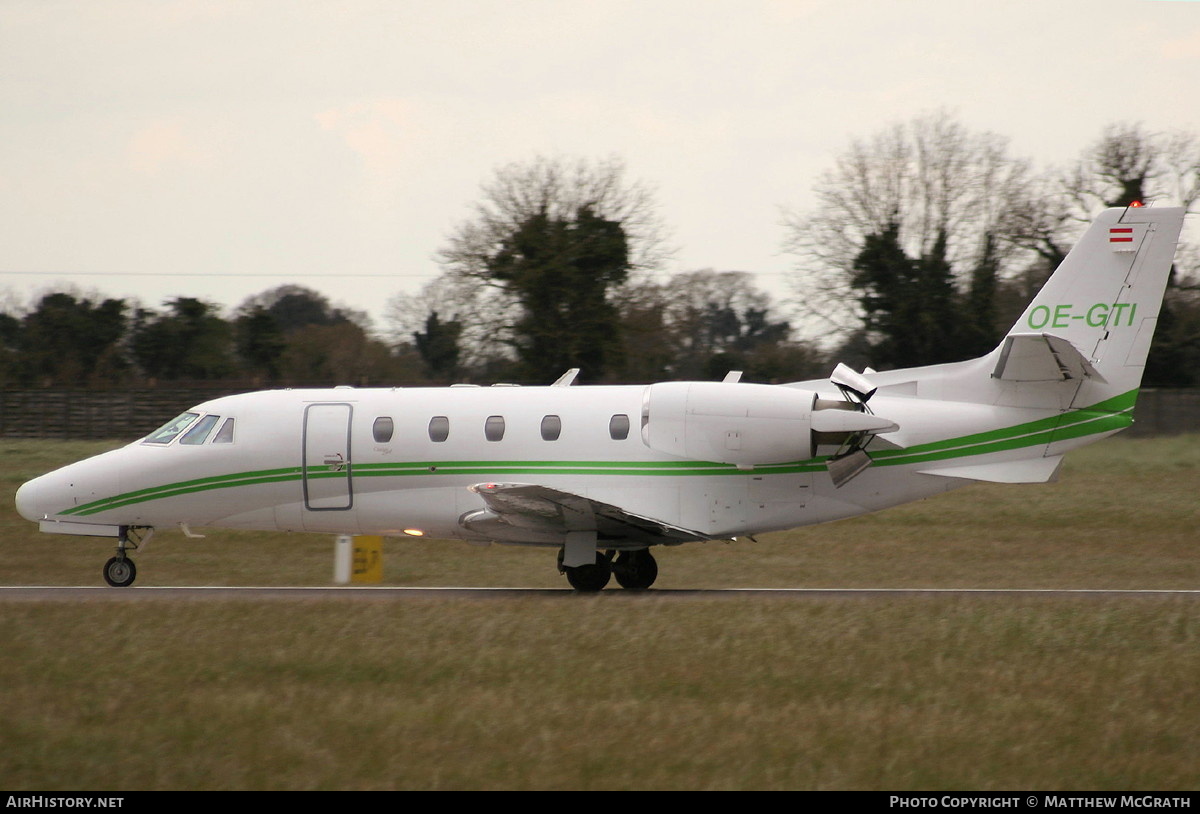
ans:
x=119 y=571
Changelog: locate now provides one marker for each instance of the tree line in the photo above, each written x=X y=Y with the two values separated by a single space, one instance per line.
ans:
x=922 y=245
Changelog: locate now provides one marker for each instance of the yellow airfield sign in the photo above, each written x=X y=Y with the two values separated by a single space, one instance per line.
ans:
x=368 y=559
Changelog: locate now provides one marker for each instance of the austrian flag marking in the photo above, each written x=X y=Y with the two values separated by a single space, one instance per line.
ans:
x=1120 y=239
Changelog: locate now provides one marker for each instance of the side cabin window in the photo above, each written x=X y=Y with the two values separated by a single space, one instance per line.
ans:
x=493 y=428
x=225 y=434
x=167 y=432
x=382 y=429
x=618 y=427
x=551 y=427
x=198 y=434
x=439 y=428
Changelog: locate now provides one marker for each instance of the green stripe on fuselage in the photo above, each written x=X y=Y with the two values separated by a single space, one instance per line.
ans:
x=1106 y=416
x=184 y=487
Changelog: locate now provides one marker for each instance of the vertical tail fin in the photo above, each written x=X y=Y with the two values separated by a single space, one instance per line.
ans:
x=1095 y=317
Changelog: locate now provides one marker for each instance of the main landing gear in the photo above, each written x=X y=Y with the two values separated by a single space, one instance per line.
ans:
x=634 y=570
x=120 y=572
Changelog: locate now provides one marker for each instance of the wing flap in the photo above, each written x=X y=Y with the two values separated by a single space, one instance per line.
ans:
x=542 y=510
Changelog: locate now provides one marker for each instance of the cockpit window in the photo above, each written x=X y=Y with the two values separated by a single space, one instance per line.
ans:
x=197 y=434
x=167 y=432
x=225 y=434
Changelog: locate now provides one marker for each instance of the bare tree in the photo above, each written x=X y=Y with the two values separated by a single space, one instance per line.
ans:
x=556 y=188
x=1129 y=163
x=1180 y=174
x=702 y=324
x=485 y=315
x=1126 y=163
x=931 y=183
x=557 y=238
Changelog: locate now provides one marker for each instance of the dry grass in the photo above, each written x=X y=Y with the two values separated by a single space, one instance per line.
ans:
x=636 y=691
x=601 y=693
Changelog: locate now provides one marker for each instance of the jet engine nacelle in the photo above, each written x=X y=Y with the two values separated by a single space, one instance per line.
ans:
x=743 y=424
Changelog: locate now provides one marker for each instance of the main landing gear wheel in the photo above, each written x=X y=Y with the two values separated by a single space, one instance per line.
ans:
x=120 y=572
x=588 y=578
x=635 y=570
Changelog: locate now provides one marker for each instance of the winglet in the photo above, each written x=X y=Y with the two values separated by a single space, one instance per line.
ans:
x=566 y=379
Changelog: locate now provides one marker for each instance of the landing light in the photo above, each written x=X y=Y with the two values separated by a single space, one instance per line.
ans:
x=414 y=532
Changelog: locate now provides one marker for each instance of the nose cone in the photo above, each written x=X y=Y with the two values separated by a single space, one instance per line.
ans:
x=64 y=490
x=28 y=504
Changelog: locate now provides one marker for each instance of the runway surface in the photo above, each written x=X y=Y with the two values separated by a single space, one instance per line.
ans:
x=392 y=593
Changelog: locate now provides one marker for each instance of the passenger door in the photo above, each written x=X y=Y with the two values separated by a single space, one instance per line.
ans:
x=327 y=468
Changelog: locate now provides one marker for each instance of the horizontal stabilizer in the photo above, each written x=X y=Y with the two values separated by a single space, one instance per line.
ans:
x=1039 y=357
x=1028 y=470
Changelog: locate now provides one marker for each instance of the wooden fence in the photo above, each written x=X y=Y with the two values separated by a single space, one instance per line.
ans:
x=104 y=414
x=1166 y=412
x=94 y=414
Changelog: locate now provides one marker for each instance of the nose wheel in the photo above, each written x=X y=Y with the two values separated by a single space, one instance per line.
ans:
x=120 y=572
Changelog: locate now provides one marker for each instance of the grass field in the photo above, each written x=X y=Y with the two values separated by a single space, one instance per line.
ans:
x=621 y=691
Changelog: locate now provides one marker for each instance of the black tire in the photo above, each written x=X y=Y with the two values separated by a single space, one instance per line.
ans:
x=590 y=578
x=120 y=572
x=636 y=570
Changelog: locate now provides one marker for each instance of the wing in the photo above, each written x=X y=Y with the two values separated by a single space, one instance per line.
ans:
x=521 y=512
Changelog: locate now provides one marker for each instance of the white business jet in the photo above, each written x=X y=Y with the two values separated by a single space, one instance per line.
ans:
x=604 y=473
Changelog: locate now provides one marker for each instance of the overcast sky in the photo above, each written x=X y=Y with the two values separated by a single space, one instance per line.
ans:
x=192 y=147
